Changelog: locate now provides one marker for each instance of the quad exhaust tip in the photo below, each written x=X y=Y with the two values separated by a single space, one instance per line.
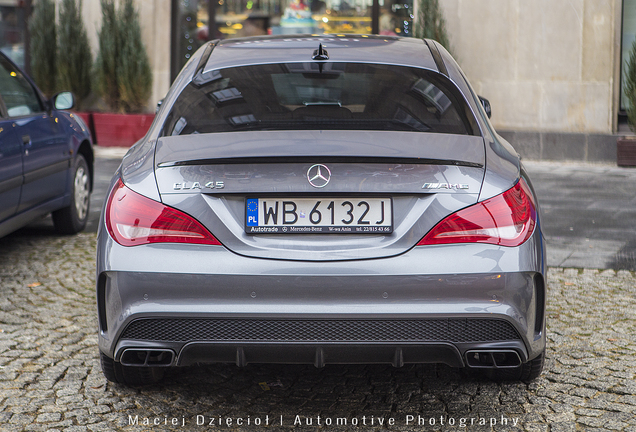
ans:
x=493 y=359
x=147 y=357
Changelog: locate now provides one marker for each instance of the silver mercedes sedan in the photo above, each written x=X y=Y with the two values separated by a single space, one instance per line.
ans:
x=320 y=200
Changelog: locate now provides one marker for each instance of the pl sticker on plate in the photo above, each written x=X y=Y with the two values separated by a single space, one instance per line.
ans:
x=252 y=212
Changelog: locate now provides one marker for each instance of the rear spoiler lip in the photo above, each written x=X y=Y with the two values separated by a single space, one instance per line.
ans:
x=316 y=146
x=323 y=159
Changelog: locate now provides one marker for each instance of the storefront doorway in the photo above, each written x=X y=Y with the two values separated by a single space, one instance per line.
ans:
x=197 y=21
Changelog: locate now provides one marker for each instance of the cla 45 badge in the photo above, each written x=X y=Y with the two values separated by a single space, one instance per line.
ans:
x=197 y=185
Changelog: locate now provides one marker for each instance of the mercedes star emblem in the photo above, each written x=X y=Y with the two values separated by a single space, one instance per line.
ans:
x=318 y=175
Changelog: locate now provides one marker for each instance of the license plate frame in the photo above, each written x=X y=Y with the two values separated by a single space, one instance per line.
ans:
x=323 y=215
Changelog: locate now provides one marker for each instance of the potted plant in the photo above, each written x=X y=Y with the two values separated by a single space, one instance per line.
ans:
x=123 y=76
x=73 y=57
x=44 y=47
x=70 y=41
x=626 y=146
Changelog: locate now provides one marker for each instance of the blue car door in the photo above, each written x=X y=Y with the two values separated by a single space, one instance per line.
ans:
x=46 y=156
x=10 y=167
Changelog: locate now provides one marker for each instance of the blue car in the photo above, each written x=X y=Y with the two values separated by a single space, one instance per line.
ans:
x=46 y=156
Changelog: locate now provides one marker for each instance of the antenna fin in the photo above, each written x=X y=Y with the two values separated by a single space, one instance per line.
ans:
x=320 y=54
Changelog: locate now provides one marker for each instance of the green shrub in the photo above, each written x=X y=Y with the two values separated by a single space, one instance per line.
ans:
x=124 y=77
x=630 y=88
x=44 y=46
x=134 y=75
x=430 y=23
x=107 y=57
x=74 y=58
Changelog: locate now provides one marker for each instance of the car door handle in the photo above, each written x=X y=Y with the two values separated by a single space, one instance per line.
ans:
x=26 y=140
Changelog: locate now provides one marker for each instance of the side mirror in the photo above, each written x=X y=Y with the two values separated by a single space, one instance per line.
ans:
x=486 y=104
x=63 y=101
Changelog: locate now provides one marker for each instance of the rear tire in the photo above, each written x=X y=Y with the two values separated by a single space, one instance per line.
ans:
x=130 y=375
x=527 y=372
x=72 y=219
x=533 y=368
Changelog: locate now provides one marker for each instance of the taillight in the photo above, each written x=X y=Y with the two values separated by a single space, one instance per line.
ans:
x=507 y=220
x=133 y=219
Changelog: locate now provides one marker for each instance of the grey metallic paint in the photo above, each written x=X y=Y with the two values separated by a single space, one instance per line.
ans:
x=319 y=275
x=381 y=144
x=502 y=169
x=395 y=51
x=412 y=217
x=212 y=281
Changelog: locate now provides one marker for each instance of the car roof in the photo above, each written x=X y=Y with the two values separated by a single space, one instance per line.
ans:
x=341 y=48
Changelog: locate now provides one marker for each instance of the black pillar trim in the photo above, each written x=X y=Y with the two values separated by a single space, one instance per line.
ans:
x=212 y=19
x=174 y=28
x=375 y=17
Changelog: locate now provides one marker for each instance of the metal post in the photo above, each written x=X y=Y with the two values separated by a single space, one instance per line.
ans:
x=174 y=39
x=212 y=19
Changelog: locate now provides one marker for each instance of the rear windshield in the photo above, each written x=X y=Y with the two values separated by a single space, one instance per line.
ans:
x=315 y=95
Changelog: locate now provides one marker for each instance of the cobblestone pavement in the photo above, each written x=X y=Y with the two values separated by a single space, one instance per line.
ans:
x=50 y=378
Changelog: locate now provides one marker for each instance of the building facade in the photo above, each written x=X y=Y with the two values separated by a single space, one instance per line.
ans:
x=552 y=70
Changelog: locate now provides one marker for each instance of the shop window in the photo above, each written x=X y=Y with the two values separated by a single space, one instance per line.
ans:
x=12 y=30
x=628 y=37
x=196 y=21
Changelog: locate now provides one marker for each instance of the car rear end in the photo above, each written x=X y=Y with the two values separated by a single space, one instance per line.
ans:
x=324 y=205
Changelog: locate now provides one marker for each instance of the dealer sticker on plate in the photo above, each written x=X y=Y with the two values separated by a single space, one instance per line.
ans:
x=315 y=216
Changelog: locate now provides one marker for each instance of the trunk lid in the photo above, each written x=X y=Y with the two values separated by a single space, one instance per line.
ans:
x=424 y=177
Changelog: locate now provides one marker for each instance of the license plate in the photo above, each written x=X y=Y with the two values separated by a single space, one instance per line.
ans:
x=315 y=216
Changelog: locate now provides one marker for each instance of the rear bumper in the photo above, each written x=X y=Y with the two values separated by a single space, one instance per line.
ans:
x=206 y=304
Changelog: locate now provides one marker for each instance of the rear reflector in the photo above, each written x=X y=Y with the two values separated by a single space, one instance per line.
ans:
x=507 y=220
x=133 y=219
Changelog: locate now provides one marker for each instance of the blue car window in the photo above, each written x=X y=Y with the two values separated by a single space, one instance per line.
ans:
x=19 y=96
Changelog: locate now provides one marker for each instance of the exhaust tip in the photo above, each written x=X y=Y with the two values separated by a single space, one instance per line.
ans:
x=148 y=358
x=493 y=359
